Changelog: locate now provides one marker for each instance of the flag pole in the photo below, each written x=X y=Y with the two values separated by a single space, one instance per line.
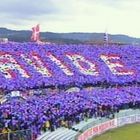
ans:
x=106 y=38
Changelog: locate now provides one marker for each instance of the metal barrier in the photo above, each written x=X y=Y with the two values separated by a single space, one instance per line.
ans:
x=101 y=125
x=17 y=135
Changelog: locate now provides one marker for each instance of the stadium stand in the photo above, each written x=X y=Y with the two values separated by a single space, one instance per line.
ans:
x=107 y=79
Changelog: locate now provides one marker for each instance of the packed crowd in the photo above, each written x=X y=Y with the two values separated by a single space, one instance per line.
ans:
x=32 y=61
x=30 y=66
x=48 y=112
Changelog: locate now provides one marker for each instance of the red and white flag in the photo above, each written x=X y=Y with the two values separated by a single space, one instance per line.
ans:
x=35 y=33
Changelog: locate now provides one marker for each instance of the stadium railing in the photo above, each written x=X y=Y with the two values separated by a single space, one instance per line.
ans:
x=17 y=135
x=100 y=125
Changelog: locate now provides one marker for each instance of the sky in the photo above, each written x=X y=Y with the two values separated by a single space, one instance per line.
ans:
x=113 y=16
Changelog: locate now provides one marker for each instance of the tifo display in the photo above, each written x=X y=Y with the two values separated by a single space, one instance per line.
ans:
x=37 y=81
x=30 y=65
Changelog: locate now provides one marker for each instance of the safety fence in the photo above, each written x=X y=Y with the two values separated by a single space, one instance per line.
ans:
x=17 y=135
x=102 y=125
